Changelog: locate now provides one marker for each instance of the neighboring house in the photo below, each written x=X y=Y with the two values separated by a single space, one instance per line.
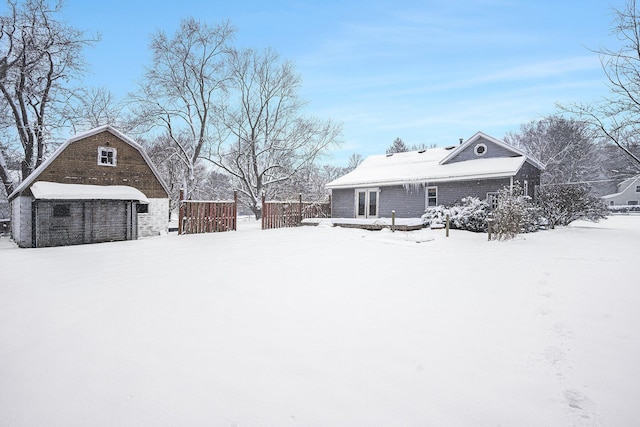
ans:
x=98 y=186
x=628 y=193
x=408 y=183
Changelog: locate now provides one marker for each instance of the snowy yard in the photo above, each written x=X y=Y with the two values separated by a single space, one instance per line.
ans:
x=321 y=326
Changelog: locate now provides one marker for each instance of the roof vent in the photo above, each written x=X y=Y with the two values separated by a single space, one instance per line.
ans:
x=460 y=141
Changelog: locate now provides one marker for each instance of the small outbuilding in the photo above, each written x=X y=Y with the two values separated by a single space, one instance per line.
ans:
x=98 y=186
x=408 y=183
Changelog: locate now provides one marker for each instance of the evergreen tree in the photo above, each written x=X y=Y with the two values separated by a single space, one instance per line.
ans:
x=397 y=147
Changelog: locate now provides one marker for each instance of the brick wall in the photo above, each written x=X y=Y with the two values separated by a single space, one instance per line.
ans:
x=78 y=164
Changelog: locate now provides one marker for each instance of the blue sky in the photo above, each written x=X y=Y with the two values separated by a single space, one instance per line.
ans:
x=429 y=72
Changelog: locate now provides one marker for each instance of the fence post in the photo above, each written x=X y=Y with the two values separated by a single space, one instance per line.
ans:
x=264 y=213
x=393 y=221
x=235 y=210
x=446 y=227
x=180 y=211
x=299 y=209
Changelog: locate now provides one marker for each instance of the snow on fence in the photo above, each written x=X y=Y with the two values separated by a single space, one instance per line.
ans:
x=290 y=214
x=205 y=216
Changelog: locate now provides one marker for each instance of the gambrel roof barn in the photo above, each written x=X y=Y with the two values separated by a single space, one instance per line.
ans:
x=97 y=186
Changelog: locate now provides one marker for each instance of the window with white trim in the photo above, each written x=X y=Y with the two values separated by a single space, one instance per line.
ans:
x=492 y=199
x=480 y=149
x=637 y=188
x=107 y=156
x=432 y=196
x=367 y=203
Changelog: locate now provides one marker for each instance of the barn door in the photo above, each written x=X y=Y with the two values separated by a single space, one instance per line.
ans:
x=367 y=203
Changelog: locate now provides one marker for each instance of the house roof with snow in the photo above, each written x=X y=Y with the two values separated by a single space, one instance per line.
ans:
x=436 y=165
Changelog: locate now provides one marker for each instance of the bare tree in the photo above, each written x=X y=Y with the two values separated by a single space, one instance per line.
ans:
x=183 y=88
x=206 y=184
x=265 y=139
x=354 y=161
x=39 y=56
x=95 y=107
x=615 y=117
x=565 y=146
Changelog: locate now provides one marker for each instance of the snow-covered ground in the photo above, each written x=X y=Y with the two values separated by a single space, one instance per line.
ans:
x=323 y=326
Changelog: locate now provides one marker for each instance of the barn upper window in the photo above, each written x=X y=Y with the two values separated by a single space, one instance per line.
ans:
x=107 y=156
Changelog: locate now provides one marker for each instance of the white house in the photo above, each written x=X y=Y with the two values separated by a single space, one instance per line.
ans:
x=628 y=193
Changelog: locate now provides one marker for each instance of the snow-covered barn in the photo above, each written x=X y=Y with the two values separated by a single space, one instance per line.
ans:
x=408 y=183
x=98 y=186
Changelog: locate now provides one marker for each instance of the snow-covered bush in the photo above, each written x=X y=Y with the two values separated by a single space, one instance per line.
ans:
x=514 y=214
x=435 y=216
x=563 y=204
x=469 y=214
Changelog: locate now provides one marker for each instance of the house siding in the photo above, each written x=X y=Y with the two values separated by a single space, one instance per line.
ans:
x=452 y=192
x=409 y=201
x=493 y=150
x=343 y=203
x=531 y=174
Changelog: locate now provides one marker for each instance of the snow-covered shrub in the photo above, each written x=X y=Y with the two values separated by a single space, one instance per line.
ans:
x=435 y=216
x=563 y=204
x=469 y=214
x=514 y=214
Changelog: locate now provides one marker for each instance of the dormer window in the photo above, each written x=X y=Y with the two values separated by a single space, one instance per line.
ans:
x=107 y=156
x=480 y=149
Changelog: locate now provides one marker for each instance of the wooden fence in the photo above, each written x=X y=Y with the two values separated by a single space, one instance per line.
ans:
x=204 y=216
x=290 y=214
